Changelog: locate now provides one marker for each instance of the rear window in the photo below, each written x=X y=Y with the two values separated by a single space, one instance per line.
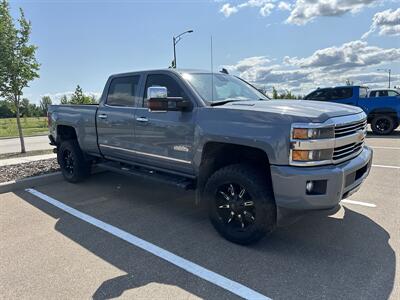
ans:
x=122 y=91
x=342 y=93
x=363 y=92
x=383 y=93
x=319 y=95
x=393 y=93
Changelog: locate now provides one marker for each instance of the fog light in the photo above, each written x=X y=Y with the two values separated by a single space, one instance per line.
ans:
x=309 y=187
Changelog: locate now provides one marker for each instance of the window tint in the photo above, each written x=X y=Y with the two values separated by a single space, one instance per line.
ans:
x=342 y=93
x=363 y=92
x=174 y=89
x=372 y=94
x=319 y=95
x=122 y=91
x=383 y=93
x=393 y=93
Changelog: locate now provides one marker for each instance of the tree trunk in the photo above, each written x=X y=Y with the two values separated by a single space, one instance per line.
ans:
x=21 y=136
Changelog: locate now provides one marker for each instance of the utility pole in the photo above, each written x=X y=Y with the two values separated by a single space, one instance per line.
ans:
x=175 y=41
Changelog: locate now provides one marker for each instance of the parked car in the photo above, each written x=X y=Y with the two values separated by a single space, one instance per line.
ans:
x=383 y=93
x=254 y=162
x=383 y=112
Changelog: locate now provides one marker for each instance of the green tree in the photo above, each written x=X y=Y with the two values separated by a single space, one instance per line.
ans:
x=44 y=104
x=274 y=93
x=80 y=98
x=64 y=99
x=18 y=64
x=5 y=110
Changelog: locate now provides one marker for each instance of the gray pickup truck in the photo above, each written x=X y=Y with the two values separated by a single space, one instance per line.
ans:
x=256 y=163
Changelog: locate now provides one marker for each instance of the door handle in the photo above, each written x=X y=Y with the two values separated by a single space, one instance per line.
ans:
x=102 y=116
x=142 y=119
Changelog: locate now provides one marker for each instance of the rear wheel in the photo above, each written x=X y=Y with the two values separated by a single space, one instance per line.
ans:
x=73 y=165
x=382 y=125
x=241 y=203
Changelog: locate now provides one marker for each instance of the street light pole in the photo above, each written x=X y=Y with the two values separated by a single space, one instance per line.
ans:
x=175 y=40
x=389 y=72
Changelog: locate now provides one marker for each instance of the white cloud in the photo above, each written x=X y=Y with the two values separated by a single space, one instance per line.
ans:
x=305 y=11
x=284 y=6
x=386 y=22
x=265 y=7
x=354 y=54
x=228 y=10
x=356 y=61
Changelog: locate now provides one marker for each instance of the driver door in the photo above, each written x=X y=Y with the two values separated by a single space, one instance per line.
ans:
x=165 y=139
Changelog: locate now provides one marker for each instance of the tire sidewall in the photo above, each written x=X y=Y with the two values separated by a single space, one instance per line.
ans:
x=80 y=168
x=388 y=131
x=265 y=219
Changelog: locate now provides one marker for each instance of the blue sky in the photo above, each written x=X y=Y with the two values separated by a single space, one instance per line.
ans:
x=297 y=45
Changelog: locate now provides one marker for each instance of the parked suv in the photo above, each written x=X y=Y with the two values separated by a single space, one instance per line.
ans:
x=254 y=162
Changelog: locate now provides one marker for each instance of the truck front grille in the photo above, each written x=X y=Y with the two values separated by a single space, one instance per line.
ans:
x=351 y=128
x=354 y=145
x=349 y=150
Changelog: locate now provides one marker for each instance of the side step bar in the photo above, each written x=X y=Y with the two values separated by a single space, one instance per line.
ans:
x=174 y=180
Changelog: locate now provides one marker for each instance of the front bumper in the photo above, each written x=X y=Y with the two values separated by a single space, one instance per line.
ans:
x=289 y=183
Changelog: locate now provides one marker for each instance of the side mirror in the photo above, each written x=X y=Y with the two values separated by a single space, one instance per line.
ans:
x=158 y=100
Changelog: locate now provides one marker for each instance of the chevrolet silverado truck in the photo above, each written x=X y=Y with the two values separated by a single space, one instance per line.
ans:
x=382 y=107
x=254 y=162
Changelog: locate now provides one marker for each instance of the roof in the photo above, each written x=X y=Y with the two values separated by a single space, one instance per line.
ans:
x=178 y=71
x=383 y=89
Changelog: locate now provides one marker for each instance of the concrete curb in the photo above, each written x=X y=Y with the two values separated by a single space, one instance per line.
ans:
x=25 y=159
x=19 y=184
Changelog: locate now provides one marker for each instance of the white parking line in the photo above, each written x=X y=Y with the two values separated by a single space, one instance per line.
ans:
x=210 y=276
x=391 y=148
x=358 y=203
x=389 y=167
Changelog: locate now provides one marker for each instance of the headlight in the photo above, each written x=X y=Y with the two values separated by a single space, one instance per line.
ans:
x=311 y=144
x=312 y=133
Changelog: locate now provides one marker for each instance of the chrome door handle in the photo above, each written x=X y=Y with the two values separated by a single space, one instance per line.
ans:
x=102 y=116
x=142 y=119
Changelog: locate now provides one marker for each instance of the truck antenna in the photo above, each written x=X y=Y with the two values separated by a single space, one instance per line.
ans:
x=212 y=69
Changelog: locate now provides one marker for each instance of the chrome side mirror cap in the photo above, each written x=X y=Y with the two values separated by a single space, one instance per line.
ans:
x=157 y=92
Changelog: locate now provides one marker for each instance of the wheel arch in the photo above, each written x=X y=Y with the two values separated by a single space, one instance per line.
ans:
x=381 y=111
x=216 y=155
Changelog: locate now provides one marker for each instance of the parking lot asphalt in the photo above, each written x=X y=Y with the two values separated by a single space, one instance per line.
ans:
x=46 y=252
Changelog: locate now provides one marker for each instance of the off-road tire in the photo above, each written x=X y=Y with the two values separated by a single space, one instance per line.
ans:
x=383 y=125
x=72 y=162
x=259 y=188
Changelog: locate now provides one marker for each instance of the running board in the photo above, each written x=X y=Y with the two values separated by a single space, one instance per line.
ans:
x=171 y=179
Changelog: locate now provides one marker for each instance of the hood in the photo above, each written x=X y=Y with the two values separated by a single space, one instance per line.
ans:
x=315 y=111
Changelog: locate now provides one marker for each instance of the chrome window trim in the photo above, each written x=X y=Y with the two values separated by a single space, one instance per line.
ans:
x=147 y=154
x=330 y=143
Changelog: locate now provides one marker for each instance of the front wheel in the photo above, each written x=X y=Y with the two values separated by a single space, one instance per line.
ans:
x=382 y=125
x=241 y=203
x=72 y=162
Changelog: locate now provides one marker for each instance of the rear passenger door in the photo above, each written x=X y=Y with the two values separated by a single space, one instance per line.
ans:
x=115 y=118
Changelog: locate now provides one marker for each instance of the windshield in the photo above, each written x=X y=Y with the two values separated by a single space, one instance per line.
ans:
x=222 y=88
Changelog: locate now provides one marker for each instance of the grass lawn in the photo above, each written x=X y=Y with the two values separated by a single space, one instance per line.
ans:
x=30 y=126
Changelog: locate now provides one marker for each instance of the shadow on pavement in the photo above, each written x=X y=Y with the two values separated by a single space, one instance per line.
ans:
x=318 y=257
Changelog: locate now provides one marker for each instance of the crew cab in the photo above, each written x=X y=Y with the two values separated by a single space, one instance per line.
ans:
x=254 y=162
x=381 y=106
